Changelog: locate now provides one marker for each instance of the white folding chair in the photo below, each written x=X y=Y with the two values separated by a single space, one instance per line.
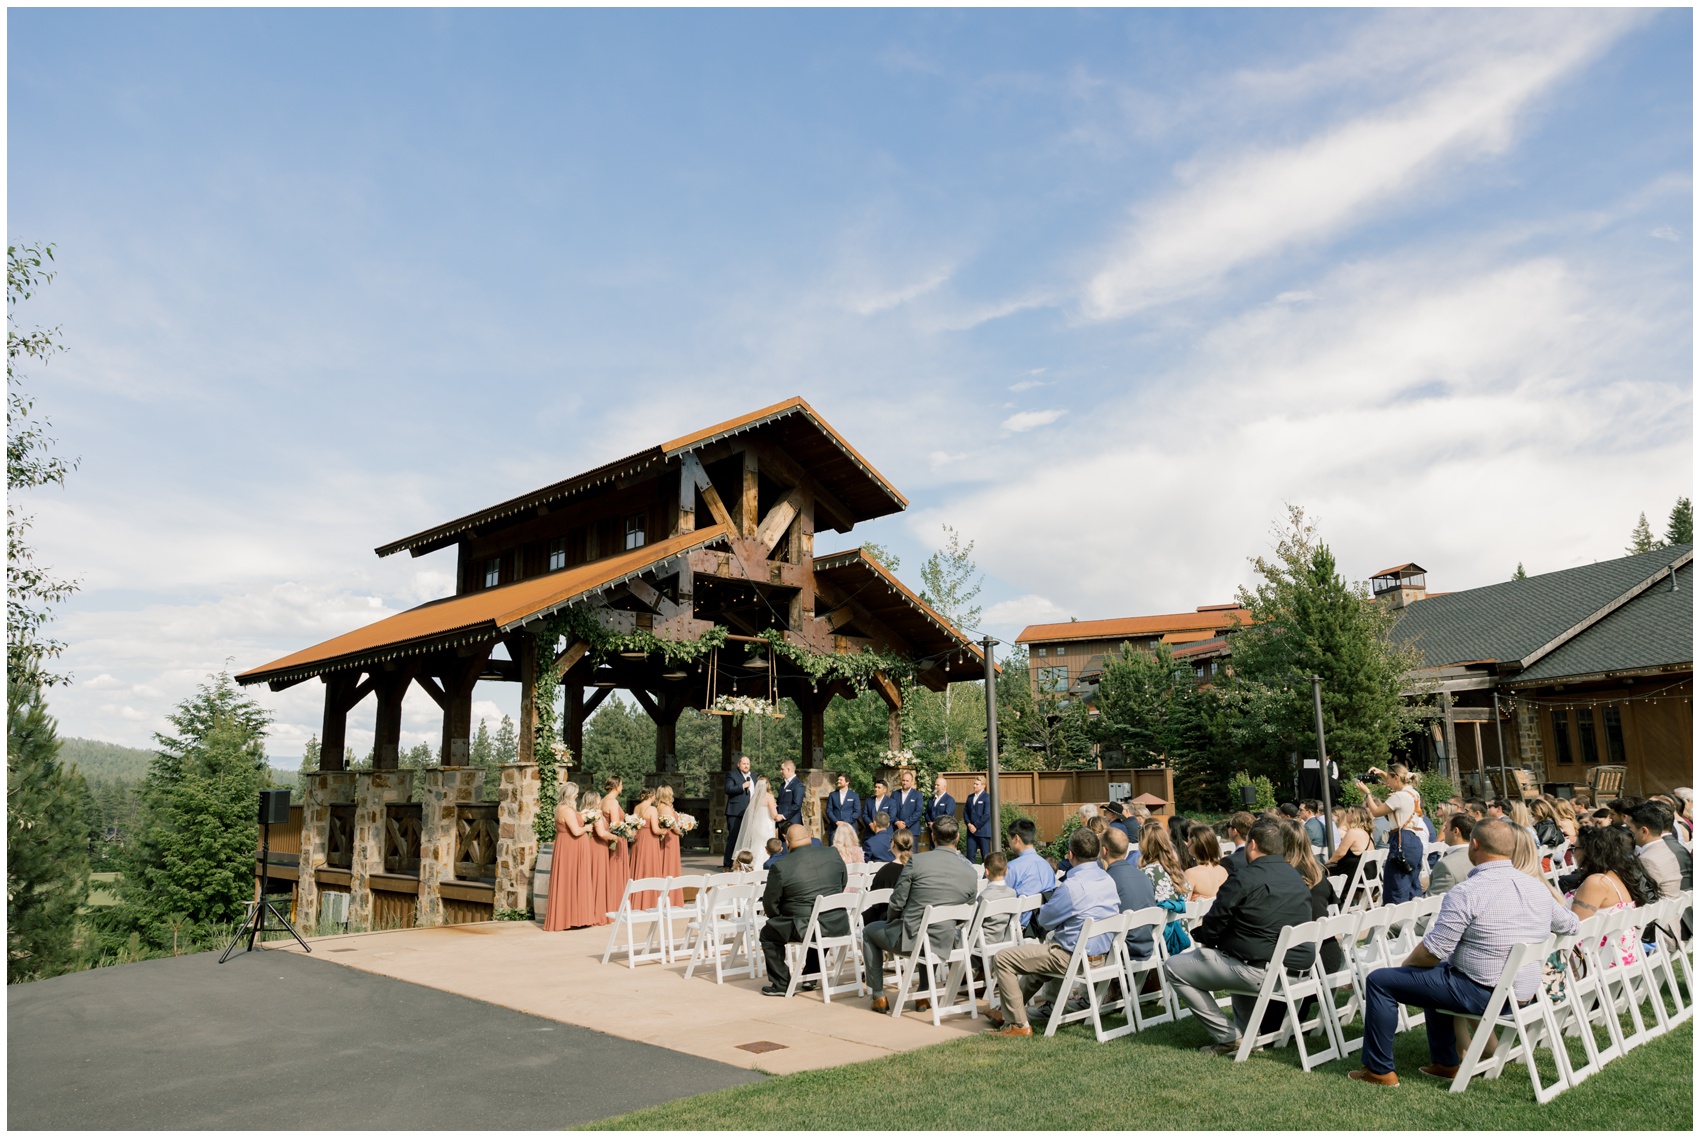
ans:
x=726 y=932
x=831 y=951
x=1554 y=862
x=1521 y=1028
x=628 y=918
x=1662 y=920
x=1586 y=1003
x=1195 y=911
x=1403 y=935
x=1095 y=974
x=960 y=971
x=922 y=964
x=1365 y=890
x=866 y=899
x=1343 y=929
x=1337 y=885
x=986 y=939
x=1289 y=988
x=677 y=940
x=1153 y=918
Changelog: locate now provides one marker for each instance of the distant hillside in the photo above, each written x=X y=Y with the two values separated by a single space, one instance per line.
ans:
x=108 y=761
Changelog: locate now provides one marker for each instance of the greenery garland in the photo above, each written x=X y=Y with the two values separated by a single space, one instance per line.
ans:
x=855 y=668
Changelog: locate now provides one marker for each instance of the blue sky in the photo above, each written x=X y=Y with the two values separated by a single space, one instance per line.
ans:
x=1103 y=289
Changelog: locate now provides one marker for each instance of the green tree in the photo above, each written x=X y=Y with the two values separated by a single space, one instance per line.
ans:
x=195 y=852
x=309 y=764
x=505 y=752
x=1307 y=621
x=1641 y=539
x=1520 y=575
x=883 y=555
x=950 y=582
x=619 y=740
x=1679 y=530
x=482 y=756
x=1136 y=703
x=47 y=866
x=31 y=589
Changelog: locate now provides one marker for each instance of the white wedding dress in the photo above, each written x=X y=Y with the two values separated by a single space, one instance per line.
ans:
x=759 y=825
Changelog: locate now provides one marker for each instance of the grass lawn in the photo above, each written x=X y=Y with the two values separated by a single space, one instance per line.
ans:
x=1156 y=1080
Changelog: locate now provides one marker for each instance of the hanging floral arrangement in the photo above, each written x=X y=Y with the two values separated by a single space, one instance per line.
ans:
x=745 y=705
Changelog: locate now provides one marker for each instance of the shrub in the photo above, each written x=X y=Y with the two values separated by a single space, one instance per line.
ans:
x=1057 y=850
x=1434 y=787
x=1264 y=789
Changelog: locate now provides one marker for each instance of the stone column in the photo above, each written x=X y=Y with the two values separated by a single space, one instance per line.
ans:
x=516 y=839
x=374 y=791
x=322 y=789
x=445 y=789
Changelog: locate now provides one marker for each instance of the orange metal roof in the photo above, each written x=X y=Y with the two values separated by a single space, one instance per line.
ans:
x=1400 y=569
x=1190 y=636
x=1214 y=619
x=448 y=532
x=474 y=616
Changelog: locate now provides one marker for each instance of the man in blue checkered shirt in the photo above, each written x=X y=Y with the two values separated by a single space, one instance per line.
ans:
x=1454 y=969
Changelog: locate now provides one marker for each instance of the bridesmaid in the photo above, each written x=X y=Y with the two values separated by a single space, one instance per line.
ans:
x=670 y=859
x=620 y=857
x=571 y=844
x=585 y=906
x=647 y=858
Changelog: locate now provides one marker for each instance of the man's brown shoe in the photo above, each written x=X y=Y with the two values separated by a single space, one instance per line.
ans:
x=1436 y=1071
x=1013 y=1029
x=880 y=1004
x=995 y=1016
x=1365 y=1075
x=923 y=1005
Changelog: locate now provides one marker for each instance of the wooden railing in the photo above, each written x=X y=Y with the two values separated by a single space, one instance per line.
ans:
x=475 y=843
x=339 y=843
x=402 y=823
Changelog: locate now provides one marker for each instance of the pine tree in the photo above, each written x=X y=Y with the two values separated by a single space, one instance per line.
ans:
x=1680 y=529
x=950 y=581
x=1520 y=575
x=47 y=866
x=1641 y=538
x=482 y=755
x=506 y=750
x=309 y=764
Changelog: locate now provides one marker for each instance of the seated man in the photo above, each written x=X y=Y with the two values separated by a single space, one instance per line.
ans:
x=1087 y=894
x=878 y=845
x=1454 y=865
x=1310 y=813
x=1029 y=873
x=1648 y=824
x=1132 y=886
x=1237 y=936
x=939 y=876
x=805 y=872
x=775 y=851
x=1454 y=969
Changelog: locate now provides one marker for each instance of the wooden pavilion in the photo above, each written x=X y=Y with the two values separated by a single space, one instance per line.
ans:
x=682 y=574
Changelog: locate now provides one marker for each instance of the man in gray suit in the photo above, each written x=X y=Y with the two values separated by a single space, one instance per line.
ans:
x=805 y=872
x=1454 y=865
x=940 y=876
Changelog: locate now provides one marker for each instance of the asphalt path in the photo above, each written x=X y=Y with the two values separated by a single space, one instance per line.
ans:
x=277 y=1041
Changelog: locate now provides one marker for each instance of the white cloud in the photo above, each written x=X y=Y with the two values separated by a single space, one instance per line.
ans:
x=1665 y=233
x=1237 y=209
x=882 y=301
x=1297 y=296
x=1009 y=617
x=1027 y=420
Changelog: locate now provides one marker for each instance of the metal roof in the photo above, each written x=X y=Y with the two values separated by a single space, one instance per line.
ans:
x=1654 y=630
x=1212 y=618
x=1409 y=566
x=473 y=617
x=792 y=425
x=888 y=600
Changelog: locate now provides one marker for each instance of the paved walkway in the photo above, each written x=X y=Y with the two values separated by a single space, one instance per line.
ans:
x=560 y=977
x=278 y=1041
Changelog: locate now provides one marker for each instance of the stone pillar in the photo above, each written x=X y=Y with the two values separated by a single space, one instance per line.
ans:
x=516 y=837
x=323 y=788
x=374 y=791
x=444 y=790
x=1529 y=752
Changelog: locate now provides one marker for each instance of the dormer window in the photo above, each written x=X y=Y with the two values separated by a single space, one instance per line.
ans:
x=557 y=554
x=634 y=531
x=492 y=572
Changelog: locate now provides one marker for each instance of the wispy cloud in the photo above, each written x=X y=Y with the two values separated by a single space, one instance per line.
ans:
x=1028 y=420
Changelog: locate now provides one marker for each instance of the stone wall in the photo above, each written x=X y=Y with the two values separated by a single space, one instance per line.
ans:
x=516 y=841
x=374 y=791
x=323 y=789
x=443 y=790
x=1529 y=749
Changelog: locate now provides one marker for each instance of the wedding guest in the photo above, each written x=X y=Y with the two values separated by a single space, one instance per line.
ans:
x=740 y=785
x=1647 y=823
x=1352 y=825
x=844 y=841
x=648 y=860
x=1477 y=808
x=1133 y=888
x=902 y=849
x=619 y=850
x=1207 y=873
x=1547 y=831
x=878 y=845
x=1454 y=865
x=1088 y=893
x=941 y=876
x=908 y=810
x=977 y=814
x=570 y=905
x=1566 y=814
x=996 y=889
x=745 y=862
x=805 y=872
x=878 y=803
x=1621 y=806
x=1310 y=813
x=595 y=875
x=843 y=805
x=941 y=805
x=775 y=851
x=1406 y=831
x=789 y=799
x=1239 y=832
x=1029 y=873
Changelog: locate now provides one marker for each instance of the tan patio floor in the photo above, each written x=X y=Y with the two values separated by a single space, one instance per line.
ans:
x=560 y=976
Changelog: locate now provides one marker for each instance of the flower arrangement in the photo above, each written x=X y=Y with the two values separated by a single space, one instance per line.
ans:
x=903 y=758
x=746 y=705
x=686 y=823
x=590 y=816
x=563 y=756
x=665 y=822
x=626 y=828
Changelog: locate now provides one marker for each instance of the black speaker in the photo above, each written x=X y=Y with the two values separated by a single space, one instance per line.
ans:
x=1248 y=795
x=274 y=807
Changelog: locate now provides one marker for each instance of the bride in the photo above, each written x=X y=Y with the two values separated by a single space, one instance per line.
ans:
x=761 y=822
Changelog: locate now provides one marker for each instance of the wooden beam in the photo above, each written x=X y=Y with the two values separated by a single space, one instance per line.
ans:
x=595 y=701
x=693 y=470
x=749 y=506
x=780 y=466
x=777 y=523
x=889 y=691
x=686 y=521
x=568 y=658
x=433 y=689
x=522 y=646
x=333 y=733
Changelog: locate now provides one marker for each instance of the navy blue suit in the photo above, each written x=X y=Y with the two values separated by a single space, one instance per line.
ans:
x=944 y=806
x=872 y=806
x=737 y=801
x=849 y=810
x=878 y=847
x=907 y=807
x=789 y=803
x=977 y=812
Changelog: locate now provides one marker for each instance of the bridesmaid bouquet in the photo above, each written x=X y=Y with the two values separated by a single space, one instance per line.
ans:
x=590 y=816
x=686 y=823
x=626 y=829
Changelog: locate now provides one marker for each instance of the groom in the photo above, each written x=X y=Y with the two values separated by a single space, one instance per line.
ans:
x=739 y=786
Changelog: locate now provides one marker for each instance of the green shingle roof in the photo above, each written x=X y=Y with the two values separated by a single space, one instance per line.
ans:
x=1510 y=620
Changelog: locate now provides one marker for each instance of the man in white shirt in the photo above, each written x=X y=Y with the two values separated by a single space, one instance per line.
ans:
x=1454 y=865
x=1645 y=826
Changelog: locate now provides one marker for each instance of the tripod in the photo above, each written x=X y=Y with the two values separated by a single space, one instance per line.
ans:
x=256 y=922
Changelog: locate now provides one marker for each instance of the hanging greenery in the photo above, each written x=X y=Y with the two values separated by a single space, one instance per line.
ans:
x=855 y=668
x=575 y=624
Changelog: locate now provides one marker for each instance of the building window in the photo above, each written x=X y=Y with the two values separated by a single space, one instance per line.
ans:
x=1199 y=671
x=1585 y=735
x=634 y=531
x=557 y=554
x=1053 y=679
x=1614 y=735
x=1561 y=738
x=1214 y=664
x=492 y=572
x=1038 y=651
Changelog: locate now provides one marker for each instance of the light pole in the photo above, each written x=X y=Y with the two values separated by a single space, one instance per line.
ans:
x=1322 y=769
x=986 y=646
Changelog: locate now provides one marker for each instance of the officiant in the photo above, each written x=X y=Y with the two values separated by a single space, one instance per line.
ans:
x=739 y=785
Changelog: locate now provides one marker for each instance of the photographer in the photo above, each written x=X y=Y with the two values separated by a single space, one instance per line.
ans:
x=1404 y=810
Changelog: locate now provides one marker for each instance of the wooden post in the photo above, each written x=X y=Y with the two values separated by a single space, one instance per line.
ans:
x=813 y=707
x=802 y=552
x=572 y=717
x=333 y=736
x=748 y=517
x=459 y=678
x=1451 y=734
x=686 y=520
x=667 y=732
x=893 y=696
x=731 y=741
x=386 y=742
x=523 y=647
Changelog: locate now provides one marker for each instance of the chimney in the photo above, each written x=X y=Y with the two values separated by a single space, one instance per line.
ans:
x=1401 y=585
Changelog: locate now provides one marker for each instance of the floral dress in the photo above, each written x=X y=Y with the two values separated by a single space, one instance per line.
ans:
x=1175 y=936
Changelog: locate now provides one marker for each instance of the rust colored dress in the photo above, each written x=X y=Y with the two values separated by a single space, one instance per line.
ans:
x=619 y=864
x=575 y=882
x=647 y=861
x=670 y=858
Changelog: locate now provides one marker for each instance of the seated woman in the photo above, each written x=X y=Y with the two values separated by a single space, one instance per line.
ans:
x=1353 y=825
x=1207 y=873
x=902 y=849
x=844 y=840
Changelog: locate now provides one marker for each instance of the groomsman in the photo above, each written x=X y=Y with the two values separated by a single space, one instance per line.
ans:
x=942 y=805
x=878 y=803
x=789 y=800
x=878 y=845
x=977 y=814
x=739 y=786
x=907 y=807
x=842 y=805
